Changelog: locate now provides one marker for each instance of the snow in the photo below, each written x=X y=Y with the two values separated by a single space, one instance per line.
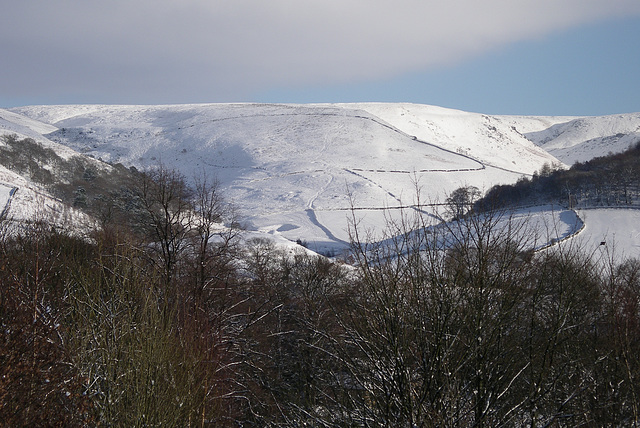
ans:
x=5 y=196
x=495 y=140
x=581 y=139
x=24 y=127
x=544 y=226
x=618 y=229
x=295 y=171
x=291 y=164
x=19 y=124
x=21 y=201
x=532 y=228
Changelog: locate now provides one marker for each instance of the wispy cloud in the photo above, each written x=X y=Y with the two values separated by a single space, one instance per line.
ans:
x=183 y=50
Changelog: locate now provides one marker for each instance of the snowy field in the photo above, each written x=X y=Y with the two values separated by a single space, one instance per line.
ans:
x=618 y=229
x=295 y=171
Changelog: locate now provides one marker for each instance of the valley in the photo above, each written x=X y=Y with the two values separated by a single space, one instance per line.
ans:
x=309 y=172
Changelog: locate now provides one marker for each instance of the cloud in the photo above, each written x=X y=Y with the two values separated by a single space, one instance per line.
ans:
x=198 y=50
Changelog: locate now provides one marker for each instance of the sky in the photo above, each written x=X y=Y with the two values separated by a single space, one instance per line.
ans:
x=524 y=57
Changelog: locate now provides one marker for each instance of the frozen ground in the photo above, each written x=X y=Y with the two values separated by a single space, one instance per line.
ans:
x=617 y=229
x=295 y=171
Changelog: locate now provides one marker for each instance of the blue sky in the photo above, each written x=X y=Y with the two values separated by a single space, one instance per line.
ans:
x=533 y=57
x=590 y=70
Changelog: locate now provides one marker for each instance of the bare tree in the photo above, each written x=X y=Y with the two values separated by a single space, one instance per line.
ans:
x=214 y=233
x=166 y=199
x=461 y=200
x=462 y=324
x=39 y=385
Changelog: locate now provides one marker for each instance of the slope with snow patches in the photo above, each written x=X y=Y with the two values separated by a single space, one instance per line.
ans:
x=21 y=200
x=294 y=171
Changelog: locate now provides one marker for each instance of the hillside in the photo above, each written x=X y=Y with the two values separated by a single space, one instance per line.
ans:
x=581 y=139
x=296 y=170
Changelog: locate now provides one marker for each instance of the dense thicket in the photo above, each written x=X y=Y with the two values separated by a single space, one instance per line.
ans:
x=603 y=181
x=167 y=320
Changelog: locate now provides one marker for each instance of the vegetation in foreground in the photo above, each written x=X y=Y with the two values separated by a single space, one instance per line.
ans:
x=161 y=318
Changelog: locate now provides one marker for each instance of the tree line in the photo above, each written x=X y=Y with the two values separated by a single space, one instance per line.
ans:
x=161 y=316
x=612 y=180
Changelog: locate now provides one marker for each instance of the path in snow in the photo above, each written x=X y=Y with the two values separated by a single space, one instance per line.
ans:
x=6 y=193
x=314 y=220
x=280 y=161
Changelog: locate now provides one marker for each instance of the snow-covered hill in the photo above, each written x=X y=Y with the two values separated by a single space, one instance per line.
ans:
x=581 y=139
x=494 y=140
x=20 y=198
x=296 y=170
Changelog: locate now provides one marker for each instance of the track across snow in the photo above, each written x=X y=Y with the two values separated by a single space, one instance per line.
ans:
x=296 y=170
x=6 y=193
